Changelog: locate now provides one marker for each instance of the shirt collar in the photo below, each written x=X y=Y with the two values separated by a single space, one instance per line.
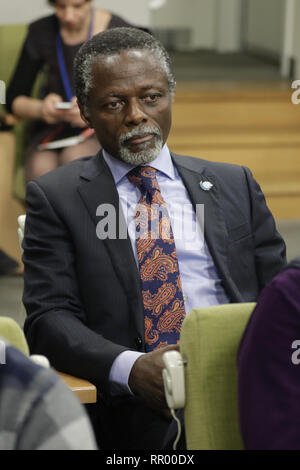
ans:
x=119 y=169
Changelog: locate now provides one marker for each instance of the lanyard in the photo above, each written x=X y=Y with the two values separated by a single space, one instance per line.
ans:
x=61 y=60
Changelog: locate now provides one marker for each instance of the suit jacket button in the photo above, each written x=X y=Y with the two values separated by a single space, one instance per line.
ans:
x=138 y=342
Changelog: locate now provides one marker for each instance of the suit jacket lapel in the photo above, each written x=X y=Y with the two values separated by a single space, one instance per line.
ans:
x=98 y=188
x=215 y=230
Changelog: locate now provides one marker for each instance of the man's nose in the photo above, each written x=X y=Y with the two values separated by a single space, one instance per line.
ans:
x=135 y=114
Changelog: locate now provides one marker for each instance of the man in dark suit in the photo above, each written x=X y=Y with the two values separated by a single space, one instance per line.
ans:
x=83 y=292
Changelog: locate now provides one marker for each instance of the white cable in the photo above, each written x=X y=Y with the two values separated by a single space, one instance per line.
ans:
x=178 y=427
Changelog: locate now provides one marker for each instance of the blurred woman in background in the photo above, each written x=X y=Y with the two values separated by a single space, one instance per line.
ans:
x=50 y=46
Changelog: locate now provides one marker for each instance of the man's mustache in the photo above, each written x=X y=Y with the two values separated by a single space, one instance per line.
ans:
x=139 y=132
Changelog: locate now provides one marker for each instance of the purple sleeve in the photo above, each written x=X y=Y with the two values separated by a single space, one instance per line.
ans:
x=268 y=374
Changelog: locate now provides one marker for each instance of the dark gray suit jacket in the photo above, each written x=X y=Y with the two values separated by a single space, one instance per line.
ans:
x=82 y=294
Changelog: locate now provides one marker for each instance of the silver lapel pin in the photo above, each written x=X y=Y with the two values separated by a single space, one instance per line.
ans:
x=206 y=185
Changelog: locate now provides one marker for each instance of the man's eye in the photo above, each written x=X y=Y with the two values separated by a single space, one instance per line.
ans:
x=114 y=105
x=153 y=98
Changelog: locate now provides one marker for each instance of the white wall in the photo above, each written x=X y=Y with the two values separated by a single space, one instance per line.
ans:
x=296 y=40
x=265 y=25
x=196 y=15
x=20 y=11
x=228 y=28
x=24 y=11
x=135 y=11
x=213 y=24
x=204 y=23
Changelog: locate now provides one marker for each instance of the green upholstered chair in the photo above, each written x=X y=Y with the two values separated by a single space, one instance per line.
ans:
x=12 y=181
x=12 y=332
x=209 y=343
x=11 y=40
x=12 y=185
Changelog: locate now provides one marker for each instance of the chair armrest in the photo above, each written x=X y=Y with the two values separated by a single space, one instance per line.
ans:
x=85 y=391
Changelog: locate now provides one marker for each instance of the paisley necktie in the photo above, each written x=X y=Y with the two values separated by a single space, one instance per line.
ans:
x=158 y=264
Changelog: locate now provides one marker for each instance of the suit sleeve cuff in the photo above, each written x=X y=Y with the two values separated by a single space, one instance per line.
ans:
x=120 y=370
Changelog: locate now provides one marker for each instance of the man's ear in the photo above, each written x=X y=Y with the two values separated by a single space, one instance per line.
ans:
x=173 y=93
x=84 y=117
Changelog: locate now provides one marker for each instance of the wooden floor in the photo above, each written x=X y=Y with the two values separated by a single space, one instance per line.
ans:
x=257 y=126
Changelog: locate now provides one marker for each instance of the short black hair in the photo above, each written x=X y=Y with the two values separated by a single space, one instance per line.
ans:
x=112 y=42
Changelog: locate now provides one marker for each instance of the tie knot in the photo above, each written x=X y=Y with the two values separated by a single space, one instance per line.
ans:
x=144 y=177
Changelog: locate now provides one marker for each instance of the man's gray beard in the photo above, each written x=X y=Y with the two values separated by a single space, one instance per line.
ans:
x=145 y=155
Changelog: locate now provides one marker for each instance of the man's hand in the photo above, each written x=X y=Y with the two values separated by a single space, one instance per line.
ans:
x=145 y=379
